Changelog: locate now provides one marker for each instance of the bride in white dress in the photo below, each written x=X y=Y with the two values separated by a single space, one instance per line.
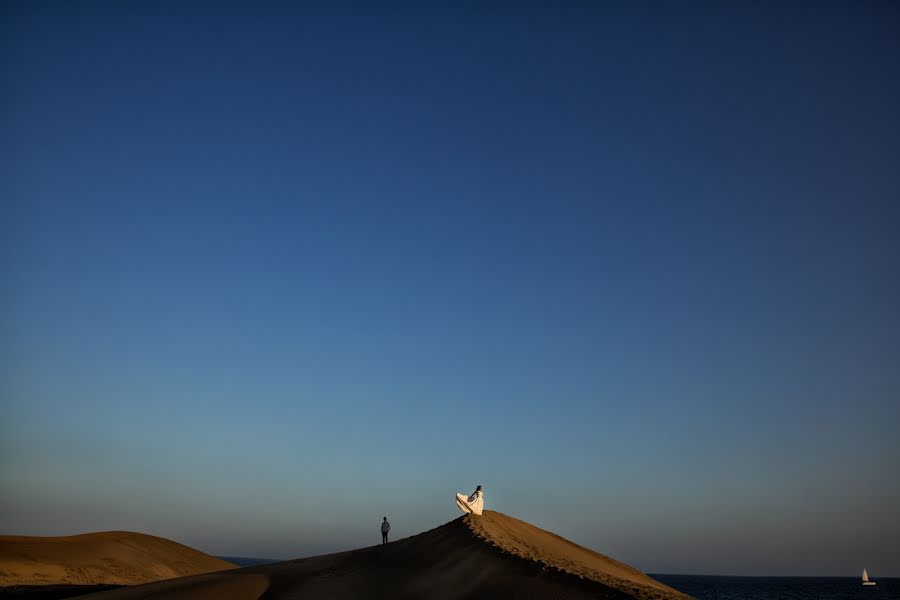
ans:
x=471 y=504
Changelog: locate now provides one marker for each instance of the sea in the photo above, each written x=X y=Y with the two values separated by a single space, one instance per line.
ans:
x=782 y=588
x=243 y=561
x=717 y=587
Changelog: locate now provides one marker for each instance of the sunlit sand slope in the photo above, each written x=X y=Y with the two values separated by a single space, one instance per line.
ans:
x=492 y=556
x=114 y=557
x=527 y=542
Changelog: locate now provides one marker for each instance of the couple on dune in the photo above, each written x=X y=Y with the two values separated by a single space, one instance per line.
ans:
x=471 y=504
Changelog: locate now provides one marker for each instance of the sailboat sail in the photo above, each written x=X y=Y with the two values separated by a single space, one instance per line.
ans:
x=865 y=575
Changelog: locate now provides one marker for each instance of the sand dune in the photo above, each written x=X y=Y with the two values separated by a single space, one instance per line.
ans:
x=114 y=557
x=492 y=556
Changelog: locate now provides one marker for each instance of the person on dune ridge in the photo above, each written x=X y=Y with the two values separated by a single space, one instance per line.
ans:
x=385 y=528
x=471 y=504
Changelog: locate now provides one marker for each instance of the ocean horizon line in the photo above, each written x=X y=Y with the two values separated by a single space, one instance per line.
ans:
x=252 y=561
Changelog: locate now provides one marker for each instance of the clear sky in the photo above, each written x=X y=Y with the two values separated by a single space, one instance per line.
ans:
x=272 y=271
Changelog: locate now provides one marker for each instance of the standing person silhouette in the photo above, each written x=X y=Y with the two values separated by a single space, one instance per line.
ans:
x=385 y=528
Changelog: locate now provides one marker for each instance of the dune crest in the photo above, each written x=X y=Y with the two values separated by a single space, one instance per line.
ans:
x=112 y=557
x=527 y=542
x=491 y=556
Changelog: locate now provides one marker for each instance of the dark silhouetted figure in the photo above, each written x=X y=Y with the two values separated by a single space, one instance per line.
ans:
x=385 y=527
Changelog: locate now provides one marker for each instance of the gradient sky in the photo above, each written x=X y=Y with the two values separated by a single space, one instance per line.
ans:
x=273 y=270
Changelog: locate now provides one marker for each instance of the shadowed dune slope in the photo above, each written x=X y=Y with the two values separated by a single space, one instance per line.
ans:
x=113 y=557
x=492 y=556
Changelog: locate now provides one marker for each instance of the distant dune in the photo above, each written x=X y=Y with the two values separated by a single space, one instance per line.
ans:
x=114 y=557
x=492 y=556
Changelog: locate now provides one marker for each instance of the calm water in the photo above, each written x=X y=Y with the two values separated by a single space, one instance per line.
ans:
x=243 y=561
x=703 y=587
x=782 y=588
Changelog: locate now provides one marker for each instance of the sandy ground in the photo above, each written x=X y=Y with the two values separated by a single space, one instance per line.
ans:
x=51 y=592
x=115 y=557
x=491 y=556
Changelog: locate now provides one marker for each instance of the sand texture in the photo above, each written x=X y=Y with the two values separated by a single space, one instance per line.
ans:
x=491 y=556
x=114 y=557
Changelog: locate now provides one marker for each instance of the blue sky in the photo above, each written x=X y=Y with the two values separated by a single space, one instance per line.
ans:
x=272 y=271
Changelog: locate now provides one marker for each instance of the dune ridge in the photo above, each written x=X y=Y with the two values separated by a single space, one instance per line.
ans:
x=111 y=557
x=524 y=541
x=472 y=557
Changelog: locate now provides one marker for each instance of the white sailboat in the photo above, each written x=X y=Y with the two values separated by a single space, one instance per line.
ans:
x=865 y=580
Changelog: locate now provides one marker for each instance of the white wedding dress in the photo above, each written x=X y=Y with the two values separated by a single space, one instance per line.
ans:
x=471 y=504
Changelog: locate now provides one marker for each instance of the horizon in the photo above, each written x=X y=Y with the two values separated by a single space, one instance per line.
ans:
x=272 y=560
x=631 y=268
